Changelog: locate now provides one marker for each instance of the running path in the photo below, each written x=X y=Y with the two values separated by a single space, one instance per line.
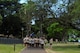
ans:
x=33 y=50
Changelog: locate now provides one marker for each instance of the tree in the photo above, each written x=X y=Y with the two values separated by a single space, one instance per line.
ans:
x=12 y=25
x=73 y=34
x=43 y=11
x=55 y=30
x=26 y=14
x=8 y=9
x=75 y=13
x=0 y=20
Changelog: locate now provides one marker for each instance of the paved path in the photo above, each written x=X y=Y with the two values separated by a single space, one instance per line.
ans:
x=33 y=50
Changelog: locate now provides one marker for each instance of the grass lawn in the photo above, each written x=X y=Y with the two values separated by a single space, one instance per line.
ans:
x=66 y=48
x=6 y=48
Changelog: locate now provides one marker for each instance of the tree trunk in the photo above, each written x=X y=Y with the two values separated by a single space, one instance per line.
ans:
x=41 y=32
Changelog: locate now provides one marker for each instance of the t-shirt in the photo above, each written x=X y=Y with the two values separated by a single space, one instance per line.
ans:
x=41 y=41
x=36 y=40
x=51 y=40
x=45 y=41
x=25 y=40
x=32 y=41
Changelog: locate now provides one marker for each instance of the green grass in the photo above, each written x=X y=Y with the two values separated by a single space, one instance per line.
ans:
x=5 y=48
x=66 y=48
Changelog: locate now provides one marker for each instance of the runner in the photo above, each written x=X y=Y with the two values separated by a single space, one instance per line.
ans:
x=41 y=40
x=25 y=41
x=32 y=42
x=45 y=41
x=51 y=42
x=36 y=40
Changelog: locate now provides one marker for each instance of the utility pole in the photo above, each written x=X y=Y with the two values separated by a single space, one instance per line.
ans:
x=22 y=32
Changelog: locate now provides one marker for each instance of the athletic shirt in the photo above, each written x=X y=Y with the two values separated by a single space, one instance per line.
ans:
x=32 y=41
x=51 y=40
x=27 y=39
x=45 y=41
x=41 y=41
x=36 y=40
x=24 y=40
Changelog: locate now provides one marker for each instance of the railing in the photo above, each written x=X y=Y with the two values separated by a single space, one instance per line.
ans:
x=10 y=41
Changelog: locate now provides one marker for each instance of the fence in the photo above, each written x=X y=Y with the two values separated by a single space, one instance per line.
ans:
x=10 y=41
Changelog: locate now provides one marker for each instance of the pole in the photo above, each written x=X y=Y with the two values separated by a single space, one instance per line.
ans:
x=14 y=47
x=22 y=34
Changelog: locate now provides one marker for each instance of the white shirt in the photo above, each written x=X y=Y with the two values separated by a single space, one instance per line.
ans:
x=45 y=41
x=51 y=40
x=36 y=40
x=41 y=41
x=25 y=40
x=32 y=41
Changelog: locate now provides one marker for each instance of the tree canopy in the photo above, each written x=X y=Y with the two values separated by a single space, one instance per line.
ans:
x=51 y=19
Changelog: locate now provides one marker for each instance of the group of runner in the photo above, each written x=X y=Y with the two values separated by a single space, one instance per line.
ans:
x=34 y=41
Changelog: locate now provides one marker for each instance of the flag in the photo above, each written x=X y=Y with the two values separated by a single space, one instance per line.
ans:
x=32 y=34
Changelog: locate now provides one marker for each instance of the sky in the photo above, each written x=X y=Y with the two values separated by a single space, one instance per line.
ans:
x=23 y=1
x=57 y=7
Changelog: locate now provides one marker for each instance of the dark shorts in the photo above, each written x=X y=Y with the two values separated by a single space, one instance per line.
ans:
x=50 y=43
x=27 y=43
